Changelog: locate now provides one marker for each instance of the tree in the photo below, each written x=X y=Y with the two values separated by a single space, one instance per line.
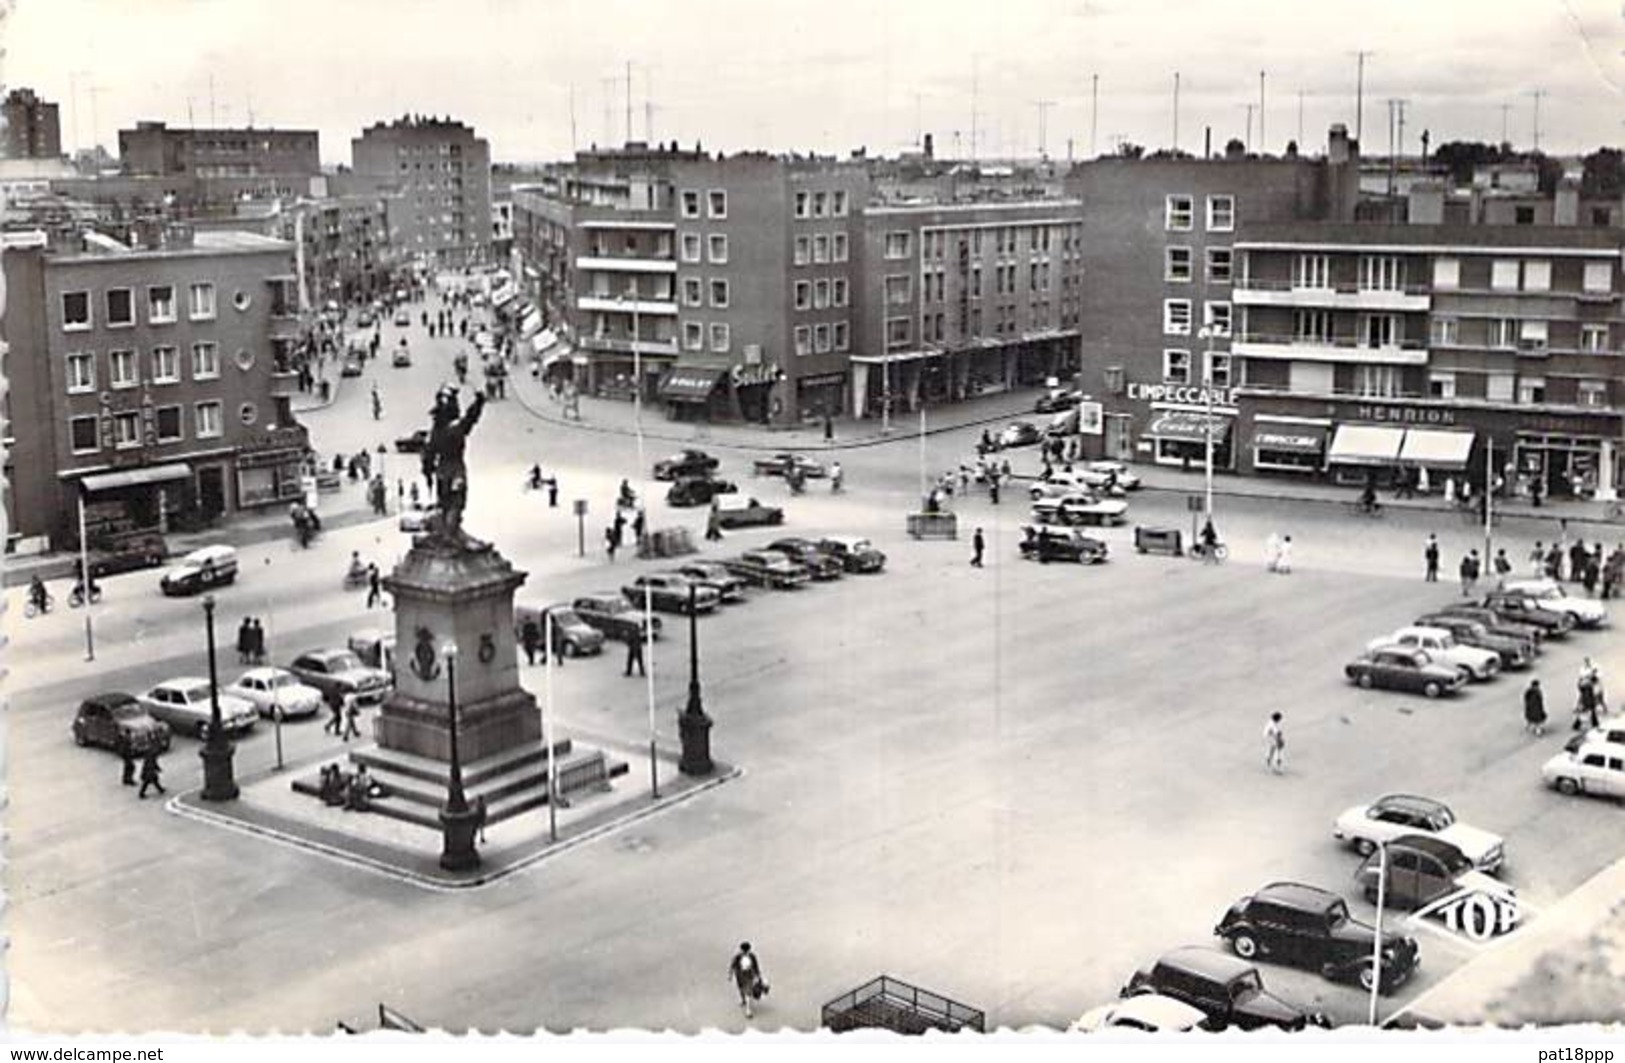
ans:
x=1129 y=150
x=1604 y=175
x=1235 y=149
x=1460 y=157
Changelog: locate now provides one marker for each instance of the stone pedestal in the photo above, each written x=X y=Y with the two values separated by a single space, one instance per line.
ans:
x=449 y=593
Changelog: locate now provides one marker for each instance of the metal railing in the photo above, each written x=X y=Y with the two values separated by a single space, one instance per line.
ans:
x=1340 y=342
x=1261 y=284
x=891 y=1004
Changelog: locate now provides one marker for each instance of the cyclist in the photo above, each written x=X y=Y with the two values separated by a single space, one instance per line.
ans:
x=37 y=594
x=1368 y=498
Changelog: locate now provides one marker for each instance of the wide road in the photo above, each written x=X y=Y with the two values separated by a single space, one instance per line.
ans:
x=1011 y=785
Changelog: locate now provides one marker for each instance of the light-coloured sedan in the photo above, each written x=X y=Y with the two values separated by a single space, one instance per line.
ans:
x=183 y=703
x=1596 y=768
x=1549 y=594
x=1366 y=826
x=270 y=689
x=1149 y=1013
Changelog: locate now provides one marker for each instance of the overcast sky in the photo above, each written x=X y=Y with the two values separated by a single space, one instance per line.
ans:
x=830 y=75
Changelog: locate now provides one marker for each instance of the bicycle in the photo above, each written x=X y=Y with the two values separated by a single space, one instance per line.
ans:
x=32 y=608
x=1200 y=551
x=76 y=597
x=1362 y=508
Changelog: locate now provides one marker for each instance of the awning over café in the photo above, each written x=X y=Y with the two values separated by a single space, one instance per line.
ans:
x=1365 y=444
x=690 y=383
x=1290 y=438
x=1436 y=449
x=1189 y=426
x=149 y=474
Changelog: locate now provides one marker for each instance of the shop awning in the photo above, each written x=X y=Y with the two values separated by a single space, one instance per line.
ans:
x=1291 y=438
x=1365 y=444
x=502 y=295
x=543 y=340
x=530 y=324
x=1188 y=426
x=684 y=383
x=150 y=474
x=1436 y=449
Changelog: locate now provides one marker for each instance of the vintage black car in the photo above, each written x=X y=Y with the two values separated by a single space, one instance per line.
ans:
x=1405 y=668
x=733 y=512
x=1308 y=927
x=1229 y=991
x=685 y=463
x=1527 y=610
x=1045 y=543
x=669 y=592
x=127 y=553
x=572 y=636
x=806 y=553
x=714 y=574
x=780 y=464
x=1515 y=652
x=855 y=554
x=698 y=490
x=1055 y=402
x=1495 y=623
x=118 y=722
x=768 y=568
x=616 y=617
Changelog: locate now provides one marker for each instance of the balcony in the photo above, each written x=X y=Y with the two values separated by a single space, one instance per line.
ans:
x=620 y=345
x=1335 y=349
x=1255 y=292
x=613 y=305
x=284 y=384
x=627 y=264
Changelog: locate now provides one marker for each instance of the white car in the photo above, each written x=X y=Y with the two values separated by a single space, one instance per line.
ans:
x=205 y=568
x=269 y=689
x=1149 y=1012
x=1594 y=768
x=183 y=703
x=1102 y=470
x=1079 y=508
x=415 y=521
x=1393 y=815
x=1549 y=594
x=1475 y=661
x=1059 y=483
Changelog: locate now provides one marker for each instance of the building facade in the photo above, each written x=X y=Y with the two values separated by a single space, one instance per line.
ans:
x=154 y=149
x=31 y=127
x=155 y=383
x=442 y=172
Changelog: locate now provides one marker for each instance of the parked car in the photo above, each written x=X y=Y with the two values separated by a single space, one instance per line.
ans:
x=1019 y=434
x=1477 y=662
x=698 y=491
x=1148 y=1012
x=573 y=636
x=119 y=722
x=1611 y=729
x=1596 y=768
x=1058 y=484
x=855 y=553
x=1079 y=508
x=1306 y=926
x=414 y=443
x=1405 y=668
x=781 y=463
x=616 y=617
x=203 y=569
x=735 y=512
x=374 y=648
x=1107 y=470
x=1511 y=605
x=414 y=520
x=714 y=574
x=1393 y=815
x=1423 y=869
x=1514 y=652
x=805 y=552
x=401 y=357
x=669 y=592
x=352 y=365
x=1230 y=992
x=685 y=463
x=365 y=318
x=1495 y=623
x=1056 y=401
x=268 y=689
x=127 y=553
x=1041 y=542
x=403 y=318
x=768 y=568
x=183 y=703
x=1550 y=594
x=341 y=670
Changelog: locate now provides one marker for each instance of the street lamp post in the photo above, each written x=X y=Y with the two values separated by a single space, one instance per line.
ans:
x=218 y=749
x=693 y=725
x=457 y=821
x=1208 y=332
x=649 y=659
x=85 y=582
x=1376 y=944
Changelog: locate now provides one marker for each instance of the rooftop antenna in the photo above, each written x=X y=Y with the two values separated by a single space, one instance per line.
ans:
x=248 y=103
x=1506 y=108
x=1176 y=111
x=1261 y=140
x=572 y=119
x=1359 y=93
x=1247 y=141
x=1300 y=119
x=95 y=123
x=1094 y=113
x=1043 y=114
x=648 y=108
x=211 y=100
x=975 y=64
x=629 y=101
x=919 y=133
x=1537 y=94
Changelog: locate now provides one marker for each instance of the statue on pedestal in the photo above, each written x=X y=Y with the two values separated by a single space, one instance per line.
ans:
x=445 y=467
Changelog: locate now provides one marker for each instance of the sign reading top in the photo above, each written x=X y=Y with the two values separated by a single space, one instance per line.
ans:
x=1191 y=394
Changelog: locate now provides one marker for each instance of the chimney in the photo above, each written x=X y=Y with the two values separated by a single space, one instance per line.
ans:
x=1426 y=203
x=1566 y=207
x=1340 y=147
x=1207 y=142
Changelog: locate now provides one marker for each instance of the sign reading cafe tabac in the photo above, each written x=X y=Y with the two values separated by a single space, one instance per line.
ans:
x=1190 y=394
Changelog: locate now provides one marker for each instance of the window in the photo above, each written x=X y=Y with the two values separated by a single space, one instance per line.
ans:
x=691 y=204
x=208 y=419
x=1221 y=213
x=1382 y=273
x=1217 y=316
x=1504 y=275
x=1441 y=384
x=81 y=372
x=693 y=336
x=120 y=308
x=841 y=337
x=821 y=248
x=1531 y=390
x=205 y=361
x=719 y=294
x=75 y=311
x=838 y=204
x=1532 y=335
x=1498 y=387
x=803 y=295
x=1601 y=217
x=1176 y=367
x=248 y=413
x=717 y=247
x=1444 y=332
x=821 y=339
x=1379 y=330
x=82 y=435
x=1311 y=271
x=803 y=339
x=124 y=372
x=821 y=294
x=1504 y=333
x=201 y=305
x=976 y=282
x=1447 y=273
x=169 y=424
x=838 y=293
x=839 y=242
x=126 y=430
x=1177 y=213
x=1599 y=277
x=693 y=293
x=1218 y=369
x=803 y=250
x=820 y=204
x=1176 y=317
x=899 y=289
x=161 y=304
x=1376 y=380
x=897 y=244
x=1537 y=276
x=719 y=337
x=1176 y=266
x=1219 y=264
x=801 y=204
x=897 y=332
x=718 y=203
x=1593 y=338
x=1311 y=326
x=1523 y=215
x=691 y=247
x=1592 y=393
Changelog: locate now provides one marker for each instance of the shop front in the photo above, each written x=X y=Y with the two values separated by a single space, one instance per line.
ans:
x=130 y=500
x=270 y=464
x=1566 y=465
x=693 y=391
x=820 y=395
x=1179 y=436
x=1295 y=445
x=1365 y=453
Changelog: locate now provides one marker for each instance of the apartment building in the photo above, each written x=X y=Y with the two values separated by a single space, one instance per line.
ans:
x=153 y=382
x=154 y=149
x=442 y=172
x=30 y=127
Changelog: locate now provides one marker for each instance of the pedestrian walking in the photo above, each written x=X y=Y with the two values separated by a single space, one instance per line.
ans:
x=638 y=526
x=553 y=493
x=713 y=524
x=611 y=541
x=335 y=706
x=375 y=585
x=977 y=544
x=128 y=756
x=634 y=654
x=1283 y=559
x=1469 y=573
x=243 y=642
x=1554 y=561
x=256 y=641
x=481 y=813
x=1503 y=569
x=746 y=971
x=1537 y=560
x=993 y=486
x=530 y=637
x=1534 y=709
x=1430 y=554
x=1275 y=744
x=1272 y=552
x=352 y=718
x=151 y=774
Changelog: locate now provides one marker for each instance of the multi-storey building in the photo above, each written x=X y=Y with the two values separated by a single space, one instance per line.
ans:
x=29 y=127
x=152 y=382
x=443 y=174
x=345 y=250
x=152 y=148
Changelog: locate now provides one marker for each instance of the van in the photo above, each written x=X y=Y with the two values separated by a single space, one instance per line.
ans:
x=202 y=569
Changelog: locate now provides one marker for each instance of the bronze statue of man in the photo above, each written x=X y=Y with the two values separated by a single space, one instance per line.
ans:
x=444 y=464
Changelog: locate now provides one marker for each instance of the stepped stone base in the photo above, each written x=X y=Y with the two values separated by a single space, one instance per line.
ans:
x=484 y=728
